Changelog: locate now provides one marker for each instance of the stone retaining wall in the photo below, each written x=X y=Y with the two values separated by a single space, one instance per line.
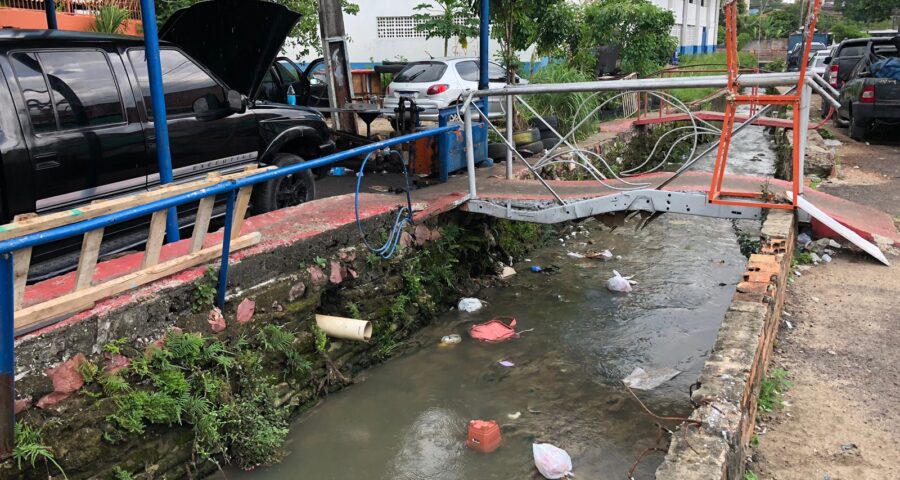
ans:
x=730 y=379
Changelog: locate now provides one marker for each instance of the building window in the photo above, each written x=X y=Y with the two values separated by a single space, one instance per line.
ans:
x=402 y=27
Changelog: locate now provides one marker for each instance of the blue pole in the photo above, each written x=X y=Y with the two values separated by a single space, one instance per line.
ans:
x=7 y=357
x=157 y=98
x=484 y=49
x=50 y=8
x=226 y=250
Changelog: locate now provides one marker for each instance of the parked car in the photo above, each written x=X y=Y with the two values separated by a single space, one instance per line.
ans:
x=793 y=58
x=817 y=62
x=309 y=83
x=441 y=82
x=843 y=58
x=75 y=121
x=867 y=97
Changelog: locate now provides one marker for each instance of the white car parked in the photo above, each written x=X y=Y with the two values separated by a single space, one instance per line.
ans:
x=817 y=61
x=441 y=82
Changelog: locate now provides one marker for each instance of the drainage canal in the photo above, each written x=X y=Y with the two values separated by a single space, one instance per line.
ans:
x=406 y=419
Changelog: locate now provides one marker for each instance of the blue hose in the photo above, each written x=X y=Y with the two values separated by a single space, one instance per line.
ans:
x=404 y=215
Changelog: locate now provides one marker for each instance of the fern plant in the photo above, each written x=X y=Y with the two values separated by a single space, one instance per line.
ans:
x=30 y=447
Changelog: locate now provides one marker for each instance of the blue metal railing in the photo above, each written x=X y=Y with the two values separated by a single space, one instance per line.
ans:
x=229 y=187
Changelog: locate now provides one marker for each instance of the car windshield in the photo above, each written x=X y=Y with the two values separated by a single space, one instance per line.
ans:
x=421 y=72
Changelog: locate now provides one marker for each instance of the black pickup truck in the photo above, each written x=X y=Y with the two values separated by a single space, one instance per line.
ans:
x=868 y=97
x=76 y=124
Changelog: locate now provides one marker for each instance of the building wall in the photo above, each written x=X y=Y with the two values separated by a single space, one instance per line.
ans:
x=697 y=15
x=37 y=19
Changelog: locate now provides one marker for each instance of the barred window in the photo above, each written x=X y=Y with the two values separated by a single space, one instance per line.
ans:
x=402 y=27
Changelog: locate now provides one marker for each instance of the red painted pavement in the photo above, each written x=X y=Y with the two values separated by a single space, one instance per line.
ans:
x=653 y=119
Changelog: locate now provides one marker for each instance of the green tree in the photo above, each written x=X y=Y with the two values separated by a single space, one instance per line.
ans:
x=641 y=30
x=447 y=19
x=868 y=11
x=305 y=34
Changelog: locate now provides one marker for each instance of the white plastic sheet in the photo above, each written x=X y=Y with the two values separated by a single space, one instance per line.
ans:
x=552 y=461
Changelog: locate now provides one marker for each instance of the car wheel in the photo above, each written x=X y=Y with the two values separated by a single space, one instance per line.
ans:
x=858 y=131
x=284 y=191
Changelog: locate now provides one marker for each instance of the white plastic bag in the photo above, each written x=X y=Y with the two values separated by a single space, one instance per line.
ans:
x=469 y=305
x=553 y=462
x=618 y=283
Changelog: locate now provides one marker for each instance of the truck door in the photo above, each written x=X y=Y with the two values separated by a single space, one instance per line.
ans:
x=82 y=140
x=196 y=145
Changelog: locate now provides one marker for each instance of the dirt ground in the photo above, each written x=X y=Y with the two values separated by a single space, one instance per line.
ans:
x=840 y=420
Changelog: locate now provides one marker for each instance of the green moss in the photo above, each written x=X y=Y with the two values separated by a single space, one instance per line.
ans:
x=518 y=238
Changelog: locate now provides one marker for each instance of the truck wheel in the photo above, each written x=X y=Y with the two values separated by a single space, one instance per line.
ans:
x=285 y=191
x=858 y=131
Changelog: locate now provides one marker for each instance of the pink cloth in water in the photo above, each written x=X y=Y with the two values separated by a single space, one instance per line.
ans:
x=495 y=330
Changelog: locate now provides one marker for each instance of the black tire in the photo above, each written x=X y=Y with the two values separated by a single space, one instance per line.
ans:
x=548 y=135
x=550 y=120
x=497 y=151
x=284 y=191
x=549 y=143
x=858 y=131
x=836 y=119
x=530 y=149
x=526 y=137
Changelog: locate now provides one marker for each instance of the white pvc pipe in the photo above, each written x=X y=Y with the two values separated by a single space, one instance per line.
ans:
x=470 y=152
x=346 y=328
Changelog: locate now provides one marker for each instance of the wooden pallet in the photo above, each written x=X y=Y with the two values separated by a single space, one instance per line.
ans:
x=85 y=293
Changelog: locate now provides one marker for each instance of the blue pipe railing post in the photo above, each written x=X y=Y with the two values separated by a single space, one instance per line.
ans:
x=50 y=8
x=484 y=38
x=226 y=251
x=158 y=99
x=7 y=357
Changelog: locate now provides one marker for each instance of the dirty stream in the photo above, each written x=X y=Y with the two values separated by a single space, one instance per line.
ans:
x=407 y=418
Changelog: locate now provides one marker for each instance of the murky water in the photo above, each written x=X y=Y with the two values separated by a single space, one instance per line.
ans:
x=407 y=418
x=749 y=154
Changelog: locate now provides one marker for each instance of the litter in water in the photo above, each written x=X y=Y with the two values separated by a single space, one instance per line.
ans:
x=536 y=268
x=451 y=339
x=506 y=363
x=552 y=461
x=618 y=283
x=495 y=330
x=484 y=436
x=507 y=272
x=604 y=255
x=514 y=416
x=641 y=379
x=826 y=258
x=470 y=305
x=575 y=255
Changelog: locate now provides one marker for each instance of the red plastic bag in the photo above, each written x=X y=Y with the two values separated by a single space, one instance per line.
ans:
x=495 y=330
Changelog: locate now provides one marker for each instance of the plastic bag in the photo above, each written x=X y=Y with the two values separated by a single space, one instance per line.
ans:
x=495 y=330
x=553 y=462
x=641 y=379
x=470 y=305
x=618 y=283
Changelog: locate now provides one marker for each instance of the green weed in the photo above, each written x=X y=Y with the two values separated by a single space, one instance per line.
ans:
x=749 y=475
x=320 y=338
x=320 y=261
x=30 y=447
x=772 y=389
x=115 y=347
x=120 y=473
x=204 y=291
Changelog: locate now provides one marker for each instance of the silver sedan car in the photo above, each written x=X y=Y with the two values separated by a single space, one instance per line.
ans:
x=442 y=82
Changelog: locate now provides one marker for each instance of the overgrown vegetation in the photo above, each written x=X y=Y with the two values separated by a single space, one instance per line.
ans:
x=30 y=447
x=749 y=244
x=772 y=389
x=110 y=18
x=204 y=293
x=709 y=61
x=565 y=106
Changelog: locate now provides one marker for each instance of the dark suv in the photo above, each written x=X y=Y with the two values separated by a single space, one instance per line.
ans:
x=75 y=121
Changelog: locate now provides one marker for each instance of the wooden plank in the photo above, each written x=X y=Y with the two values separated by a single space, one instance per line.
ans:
x=240 y=210
x=21 y=262
x=80 y=300
x=104 y=207
x=87 y=262
x=155 y=238
x=201 y=223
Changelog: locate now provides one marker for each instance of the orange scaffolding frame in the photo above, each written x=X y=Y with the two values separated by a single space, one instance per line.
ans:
x=735 y=98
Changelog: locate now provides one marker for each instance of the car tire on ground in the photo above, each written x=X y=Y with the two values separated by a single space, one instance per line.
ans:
x=550 y=120
x=497 y=151
x=530 y=149
x=549 y=142
x=858 y=131
x=526 y=137
x=836 y=119
x=285 y=191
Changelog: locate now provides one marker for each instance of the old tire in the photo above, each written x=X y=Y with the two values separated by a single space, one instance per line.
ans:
x=497 y=151
x=550 y=120
x=284 y=191
x=530 y=149
x=549 y=143
x=858 y=131
x=526 y=137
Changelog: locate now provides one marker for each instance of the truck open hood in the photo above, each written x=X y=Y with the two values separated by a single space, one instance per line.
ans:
x=236 y=39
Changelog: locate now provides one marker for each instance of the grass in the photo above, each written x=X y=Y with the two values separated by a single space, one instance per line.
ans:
x=710 y=61
x=772 y=389
x=564 y=106
x=749 y=475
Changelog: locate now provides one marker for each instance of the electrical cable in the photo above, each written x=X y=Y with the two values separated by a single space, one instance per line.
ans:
x=404 y=214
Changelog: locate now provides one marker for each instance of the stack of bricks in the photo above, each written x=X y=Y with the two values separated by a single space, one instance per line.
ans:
x=729 y=381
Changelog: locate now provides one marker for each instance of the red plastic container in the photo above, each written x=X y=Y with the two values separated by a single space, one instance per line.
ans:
x=484 y=436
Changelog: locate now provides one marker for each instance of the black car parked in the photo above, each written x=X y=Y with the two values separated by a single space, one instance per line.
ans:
x=844 y=57
x=75 y=121
x=867 y=98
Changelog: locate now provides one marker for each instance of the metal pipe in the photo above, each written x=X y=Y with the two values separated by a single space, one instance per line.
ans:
x=50 y=9
x=805 y=97
x=712 y=81
x=484 y=37
x=226 y=251
x=821 y=91
x=470 y=152
x=821 y=81
x=510 y=103
x=157 y=98
x=66 y=231
x=7 y=357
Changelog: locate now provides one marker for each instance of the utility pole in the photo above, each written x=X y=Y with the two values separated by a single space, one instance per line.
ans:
x=337 y=61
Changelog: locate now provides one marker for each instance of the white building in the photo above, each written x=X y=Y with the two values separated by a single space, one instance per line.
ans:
x=386 y=30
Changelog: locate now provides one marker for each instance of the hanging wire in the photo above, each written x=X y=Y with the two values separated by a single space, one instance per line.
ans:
x=404 y=214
